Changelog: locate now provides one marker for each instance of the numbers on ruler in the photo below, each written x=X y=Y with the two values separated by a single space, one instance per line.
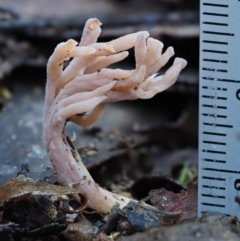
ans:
x=237 y=184
x=238 y=94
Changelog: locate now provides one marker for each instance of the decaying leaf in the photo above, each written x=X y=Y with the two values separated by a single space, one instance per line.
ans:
x=185 y=201
x=34 y=213
x=23 y=188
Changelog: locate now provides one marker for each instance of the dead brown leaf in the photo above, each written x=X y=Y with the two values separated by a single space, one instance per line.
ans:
x=22 y=188
x=185 y=201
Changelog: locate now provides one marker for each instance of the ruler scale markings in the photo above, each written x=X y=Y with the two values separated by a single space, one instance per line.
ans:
x=207 y=78
x=208 y=69
x=216 y=58
x=215 y=42
x=214 y=51
x=214 y=178
x=216 y=61
x=215 y=106
x=214 y=187
x=217 y=125
x=213 y=88
x=214 y=196
x=215 y=23
x=218 y=143
x=214 y=142
x=221 y=170
x=214 y=133
x=221 y=99
x=219 y=107
x=212 y=160
x=213 y=182
x=213 y=97
x=215 y=5
x=216 y=14
x=216 y=78
x=229 y=80
x=214 y=115
x=212 y=156
x=217 y=195
x=219 y=33
x=208 y=88
x=213 y=151
x=209 y=198
x=213 y=204
x=222 y=70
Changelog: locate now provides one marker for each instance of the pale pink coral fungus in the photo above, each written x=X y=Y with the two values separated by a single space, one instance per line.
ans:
x=85 y=85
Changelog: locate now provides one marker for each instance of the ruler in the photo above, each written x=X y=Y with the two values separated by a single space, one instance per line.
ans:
x=219 y=107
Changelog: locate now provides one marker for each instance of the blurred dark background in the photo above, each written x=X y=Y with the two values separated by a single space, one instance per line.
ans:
x=30 y=30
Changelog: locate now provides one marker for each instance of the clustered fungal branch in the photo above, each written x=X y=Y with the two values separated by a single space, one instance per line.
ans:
x=78 y=94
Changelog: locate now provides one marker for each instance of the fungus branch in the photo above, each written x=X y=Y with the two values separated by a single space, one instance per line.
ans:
x=86 y=84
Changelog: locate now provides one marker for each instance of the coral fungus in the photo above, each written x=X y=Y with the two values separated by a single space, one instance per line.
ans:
x=78 y=94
